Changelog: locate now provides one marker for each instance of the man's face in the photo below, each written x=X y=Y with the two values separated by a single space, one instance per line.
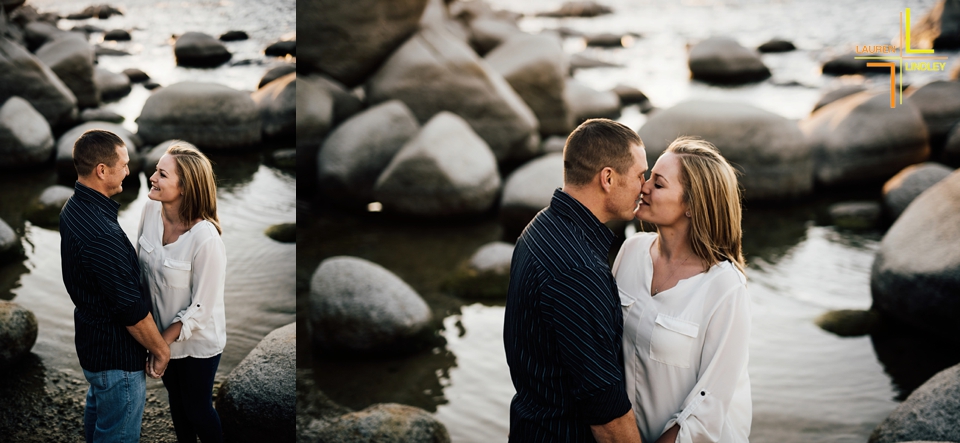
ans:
x=114 y=175
x=627 y=187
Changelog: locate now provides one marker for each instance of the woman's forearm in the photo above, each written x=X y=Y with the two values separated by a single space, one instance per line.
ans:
x=670 y=436
x=172 y=333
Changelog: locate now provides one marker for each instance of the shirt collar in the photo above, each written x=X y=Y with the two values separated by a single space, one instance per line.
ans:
x=598 y=235
x=105 y=203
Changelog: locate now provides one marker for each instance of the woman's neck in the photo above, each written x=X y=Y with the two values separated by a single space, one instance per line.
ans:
x=673 y=243
x=171 y=213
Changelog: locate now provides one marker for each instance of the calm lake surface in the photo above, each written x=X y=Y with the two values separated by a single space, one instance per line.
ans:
x=259 y=293
x=808 y=384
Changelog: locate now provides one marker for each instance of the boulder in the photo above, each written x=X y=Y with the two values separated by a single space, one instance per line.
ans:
x=18 y=332
x=358 y=306
x=585 y=102
x=855 y=215
x=150 y=85
x=553 y=144
x=837 y=94
x=916 y=275
x=633 y=96
x=36 y=34
x=10 y=5
x=381 y=423
x=939 y=104
x=357 y=152
x=445 y=170
x=72 y=58
x=437 y=14
x=583 y=61
x=528 y=190
x=135 y=75
x=87 y=29
x=847 y=64
x=487 y=33
x=277 y=103
x=723 y=60
x=282 y=49
x=232 y=36
x=101 y=115
x=283 y=232
x=9 y=243
x=769 y=150
x=535 y=67
x=209 y=115
x=605 y=40
x=903 y=188
x=103 y=50
x=112 y=86
x=345 y=103
x=117 y=35
x=277 y=72
x=25 y=136
x=102 y=11
x=860 y=139
x=258 y=400
x=930 y=413
x=776 y=45
x=461 y=83
x=152 y=157
x=314 y=114
x=850 y=322
x=45 y=210
x=485 y=275
x=349 y=40
x=200 y=50
x=23 y=75
x=578 y=9
x=67 y=172
x=284 y=158
x=951 y=151
x=939 y=28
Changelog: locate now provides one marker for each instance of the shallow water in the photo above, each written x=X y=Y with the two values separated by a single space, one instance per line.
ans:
x=808 y=384
x=259 y=294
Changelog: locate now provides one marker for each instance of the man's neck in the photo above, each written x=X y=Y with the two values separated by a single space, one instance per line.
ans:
x=591 y=200
x=94 y=184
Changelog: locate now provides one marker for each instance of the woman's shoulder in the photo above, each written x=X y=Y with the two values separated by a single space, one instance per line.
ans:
x=639 y=240
x=205 y=230
x=725 y=277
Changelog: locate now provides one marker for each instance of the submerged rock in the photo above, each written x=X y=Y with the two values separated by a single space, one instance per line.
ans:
x=855 y=215
x=18 y=332
x=776 y=45
x=903 y=188
x=528 y=190
x=849 y=322
x=283 y=233
x=25 y=136
x=383 y=423
x=931 y=413
x=45 y=211
x=723 y=60
x=485 y=275
x=209 y=115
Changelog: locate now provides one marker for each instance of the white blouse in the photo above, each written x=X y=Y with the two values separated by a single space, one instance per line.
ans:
x=685 y=349
x=185 y=279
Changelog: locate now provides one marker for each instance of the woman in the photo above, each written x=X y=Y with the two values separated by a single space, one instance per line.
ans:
x=183 y=265
x=686 y=314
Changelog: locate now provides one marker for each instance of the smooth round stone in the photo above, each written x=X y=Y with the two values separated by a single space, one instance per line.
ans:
x=855 y=215
x=488 y=32
x=837 y=94
x=25 y=76
x=283 y=233
x=931 y=413
x=776 y=45
x=117 y=35
x=112 y=86
x=135 y=75
x=45 y=211
x=38 y=33
x=939 y=104
x=72 y=59
x=101 y=115
x=849 y=322
x=277 y=102
x=9 y=242
x=67 y=171
x=585 y=102
x=903 y=188
x=578 y=9
x=25 y=136
x=493 y=257
x=200 y=50
x=209 y=115
x=152 y=157
x=257 y=402
x=724 y=60
x=385 y=423
x=345 y=103
x=357 y=306
x=530 y=189
x=277 y=72
x=232 y=36
x=18 y=332
x=282 y=49
x=632 y=96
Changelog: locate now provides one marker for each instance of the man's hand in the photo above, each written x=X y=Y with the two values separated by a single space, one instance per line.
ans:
x=623 y=429
x=157 y=365
x=146 y=333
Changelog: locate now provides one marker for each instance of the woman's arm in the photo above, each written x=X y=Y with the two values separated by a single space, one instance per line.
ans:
x=670 y=436
x=172 y=333
x=209 y=274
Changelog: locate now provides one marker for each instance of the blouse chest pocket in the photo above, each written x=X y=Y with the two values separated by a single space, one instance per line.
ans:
x=672 y=341
x=176 y=273
x=145 y=245
x=626 y=301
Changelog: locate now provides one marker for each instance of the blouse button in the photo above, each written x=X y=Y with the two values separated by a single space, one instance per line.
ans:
x=703 y=393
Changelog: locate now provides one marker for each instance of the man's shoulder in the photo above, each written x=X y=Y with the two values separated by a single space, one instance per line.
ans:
x=86 y=221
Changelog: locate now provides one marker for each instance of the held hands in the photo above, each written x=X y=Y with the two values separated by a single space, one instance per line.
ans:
x=157 y=365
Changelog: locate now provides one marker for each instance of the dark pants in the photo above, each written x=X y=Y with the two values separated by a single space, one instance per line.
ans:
x=189 y=382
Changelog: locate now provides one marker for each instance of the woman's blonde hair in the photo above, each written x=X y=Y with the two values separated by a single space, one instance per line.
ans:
x=711 y=193
x=198 y=183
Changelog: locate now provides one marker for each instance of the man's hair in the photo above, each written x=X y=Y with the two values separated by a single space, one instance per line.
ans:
x=198 y=183
x=94 y=147
x=595 y=144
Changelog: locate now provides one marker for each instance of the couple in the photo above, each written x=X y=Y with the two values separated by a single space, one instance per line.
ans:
x=656 y=347
x=165 y=296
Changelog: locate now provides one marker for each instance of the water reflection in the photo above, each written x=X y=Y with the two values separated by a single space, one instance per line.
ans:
x=911 y=356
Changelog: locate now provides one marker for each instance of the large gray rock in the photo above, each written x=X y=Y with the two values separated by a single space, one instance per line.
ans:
x=209 y=115
x=112 y=85
x=9 y=242
x=585 y=102
x=358 y=306
x=200 y=50
x=939 y=28
x=951 y=152
x=903 y=188
x=770 y=150
x=487 y=33
x=860 y=139
x=357 y=152
x=152 y=157
x=100 y=115
x=461 y=83
x=345 y=103
x=23 y=75
x=381 y=423
x=837 y=94
x=723 y=60
x=277 y=102
x=930 y=413
x=18 y=332
x=67 y=172
x=37 y=33
x=446 y=170
x=535 y=67
x=493 y=257
x=916 y=275
x=349 y=39
x=45 y=210
x=258 y=400
x=25 y=137
x=72 y=58
x=314 y=115
x=530 y=189
x=939 y=104
x=277 y=72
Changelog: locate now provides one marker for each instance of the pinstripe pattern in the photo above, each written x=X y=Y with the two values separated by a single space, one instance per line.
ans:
x=563 y=326
x=102 y=276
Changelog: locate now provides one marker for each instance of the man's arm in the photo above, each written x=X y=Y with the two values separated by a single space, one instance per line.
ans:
x=623 y=429
x=145 y=332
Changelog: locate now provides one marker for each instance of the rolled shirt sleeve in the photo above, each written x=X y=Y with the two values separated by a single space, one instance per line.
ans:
x=118 y=276
x=723 y=362
x=209 y=274
x=581 y=306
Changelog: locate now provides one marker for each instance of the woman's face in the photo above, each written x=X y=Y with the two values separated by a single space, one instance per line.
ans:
x=661 y=201
x=165 y=183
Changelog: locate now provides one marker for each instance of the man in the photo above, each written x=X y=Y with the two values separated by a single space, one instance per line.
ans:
x=114 y=327
x=563 y=323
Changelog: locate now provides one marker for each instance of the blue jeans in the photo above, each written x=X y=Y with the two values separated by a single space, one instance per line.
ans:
x=115 y=403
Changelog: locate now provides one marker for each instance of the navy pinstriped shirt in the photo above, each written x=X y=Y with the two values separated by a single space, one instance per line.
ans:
x=563 y=327
x=102 y=275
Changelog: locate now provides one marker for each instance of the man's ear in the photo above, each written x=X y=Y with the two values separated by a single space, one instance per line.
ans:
x=101 y=170
x=606 y=179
